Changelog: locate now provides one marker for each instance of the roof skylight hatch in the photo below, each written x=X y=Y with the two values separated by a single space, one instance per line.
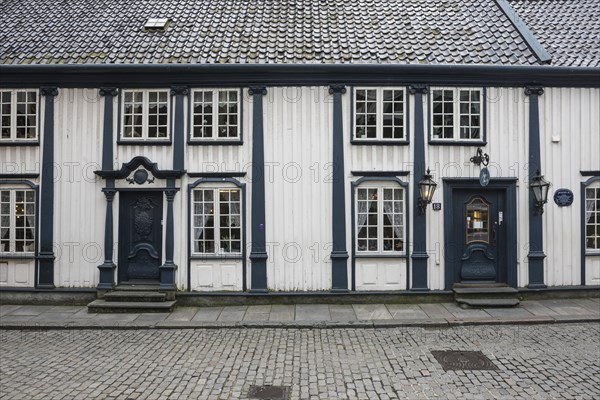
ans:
x=157 y=24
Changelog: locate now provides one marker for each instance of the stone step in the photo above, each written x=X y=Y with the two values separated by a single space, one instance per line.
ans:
x=496 y=290
x=485 y=303
x=103 y=306
x=136 y=287
x=134 y=296
x=479 y=285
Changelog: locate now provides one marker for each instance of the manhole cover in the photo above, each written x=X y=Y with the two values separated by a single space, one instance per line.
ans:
x=269 y=392
x=463 y=360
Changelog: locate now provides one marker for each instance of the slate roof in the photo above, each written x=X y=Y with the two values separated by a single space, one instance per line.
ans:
x=263 y=31
x=568 y=29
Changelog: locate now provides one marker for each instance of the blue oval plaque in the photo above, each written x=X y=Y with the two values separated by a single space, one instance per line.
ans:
x=563 y=197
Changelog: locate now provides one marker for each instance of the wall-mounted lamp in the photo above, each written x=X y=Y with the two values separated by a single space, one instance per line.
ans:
x=540 y=188
x=426 y=190
x=480 y=158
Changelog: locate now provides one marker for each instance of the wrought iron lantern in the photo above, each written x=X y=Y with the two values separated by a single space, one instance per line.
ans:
x=427 y=188
x=540 y=187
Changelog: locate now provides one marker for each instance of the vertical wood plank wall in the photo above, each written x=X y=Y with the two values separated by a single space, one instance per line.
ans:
x=298 y=148
x=570 y=143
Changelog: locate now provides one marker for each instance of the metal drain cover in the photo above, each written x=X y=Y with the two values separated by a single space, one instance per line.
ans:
x=269 y=392
x=452 y=360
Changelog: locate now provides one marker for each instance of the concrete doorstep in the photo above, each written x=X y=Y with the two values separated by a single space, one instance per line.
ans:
x=303 y=316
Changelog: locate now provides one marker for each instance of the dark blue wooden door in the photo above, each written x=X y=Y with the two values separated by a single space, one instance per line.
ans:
x=140 y=237
x=479 y=235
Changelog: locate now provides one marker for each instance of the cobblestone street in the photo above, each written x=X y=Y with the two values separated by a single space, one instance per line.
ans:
x=533 y=361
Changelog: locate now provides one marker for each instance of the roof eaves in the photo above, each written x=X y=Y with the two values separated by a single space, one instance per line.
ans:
x=535 y=46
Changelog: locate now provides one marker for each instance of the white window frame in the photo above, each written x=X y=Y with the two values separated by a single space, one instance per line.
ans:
x=145 y=116
x=380 y=219
x=215 y=115
x=595 y=186
x=216 y=220
x=13 y=115
x=456 y=115
x=12 y=226
x=379 y=115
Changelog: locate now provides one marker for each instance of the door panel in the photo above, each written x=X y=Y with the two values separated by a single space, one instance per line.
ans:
x=140 y=236
x=479 y=237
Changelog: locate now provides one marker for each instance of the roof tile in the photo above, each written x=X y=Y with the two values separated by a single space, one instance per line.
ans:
x=289 y=31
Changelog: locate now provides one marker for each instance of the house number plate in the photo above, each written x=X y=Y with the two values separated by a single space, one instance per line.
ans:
x=436 y=206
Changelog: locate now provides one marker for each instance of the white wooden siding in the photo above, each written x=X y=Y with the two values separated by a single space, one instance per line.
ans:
x=298 y=154
x=20 y=160
x=570 y=142
x=79 y=204
x=508 y=147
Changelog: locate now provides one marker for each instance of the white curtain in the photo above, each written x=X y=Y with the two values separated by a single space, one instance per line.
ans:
x=362 y=214
x=203 y=219
x=589 y=208
x=396 y=219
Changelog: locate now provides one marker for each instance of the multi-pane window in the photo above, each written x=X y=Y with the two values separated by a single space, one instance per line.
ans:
x=216 y=221
x=18 y=115
x=216 y=114
x=380 y=222
x=379 y=114
x=592 y=218
x=145 y=115
x=456 y=114
x=17 y=221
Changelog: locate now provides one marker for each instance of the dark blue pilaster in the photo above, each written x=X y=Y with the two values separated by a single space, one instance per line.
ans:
x=167 y=270
x=178 y=129
x=419 y=254
x=107 y=269
x=536 y=239
x=258 y=251
x=45 y=279
x=339 y=254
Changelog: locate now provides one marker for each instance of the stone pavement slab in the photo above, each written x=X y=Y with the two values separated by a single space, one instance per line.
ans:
x=342 y=312
x=406 y=311
x=436 y=311
x=182 y=314
x=312 y=312
x=459 y=312
x=30 y=310
x=589 y=304
x=508 y=312
x=6 y=309
x=257 y=313
x=232 y=314
x=282 y=313
x=537 y=308
x=207 y=314
x=371 y=311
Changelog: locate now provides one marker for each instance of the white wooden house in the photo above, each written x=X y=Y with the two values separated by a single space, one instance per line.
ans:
x=266 y=146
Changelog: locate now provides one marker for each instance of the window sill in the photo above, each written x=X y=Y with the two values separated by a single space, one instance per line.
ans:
x=589 y=253
x=17 y=256
x=439 y=142
x=142 y=142
x=200 y=142
x=217 y=257
x=364 y=255
x=31 y=143
x=373 y=142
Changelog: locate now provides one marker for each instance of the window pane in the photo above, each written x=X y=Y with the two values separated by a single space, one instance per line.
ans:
x=478 y=222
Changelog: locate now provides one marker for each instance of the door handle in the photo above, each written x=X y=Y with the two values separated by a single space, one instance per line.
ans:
x=494 y=233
